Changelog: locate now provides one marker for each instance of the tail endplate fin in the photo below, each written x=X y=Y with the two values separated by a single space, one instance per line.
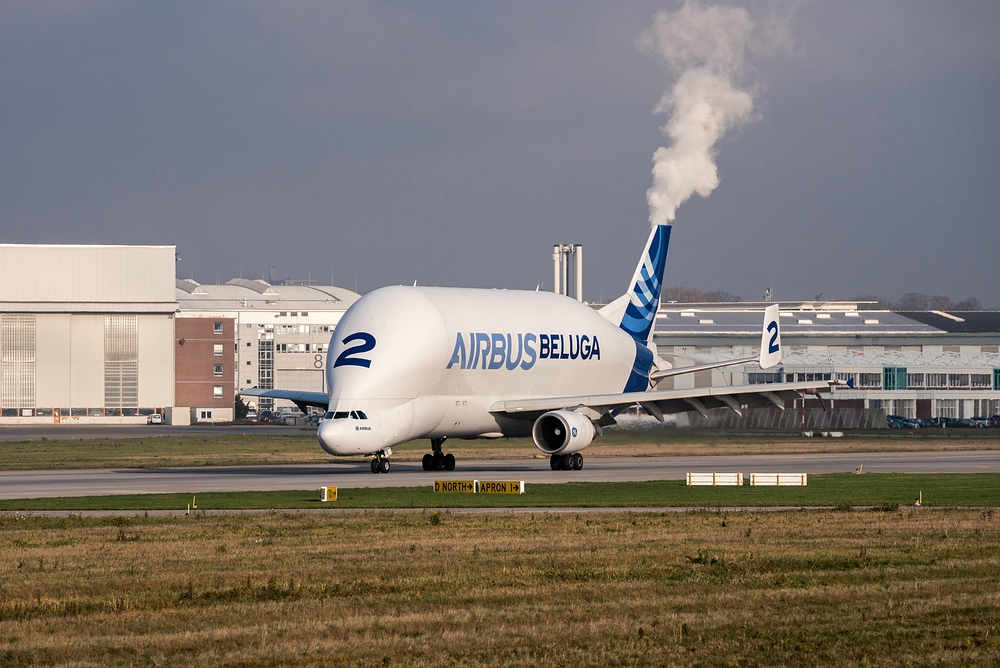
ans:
x=644 y=293
x=770 y=338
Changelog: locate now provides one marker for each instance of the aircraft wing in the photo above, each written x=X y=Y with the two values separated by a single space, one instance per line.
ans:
x=300 y=399
x=658 y=402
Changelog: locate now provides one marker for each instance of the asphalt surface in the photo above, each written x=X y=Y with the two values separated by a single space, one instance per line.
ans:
x=54 y=432
x=34 y=484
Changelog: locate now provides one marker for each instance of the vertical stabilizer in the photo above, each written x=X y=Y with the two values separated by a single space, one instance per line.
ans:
x=644 y=294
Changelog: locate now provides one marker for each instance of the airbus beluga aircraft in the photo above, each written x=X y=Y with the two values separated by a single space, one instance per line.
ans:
x=406 y=363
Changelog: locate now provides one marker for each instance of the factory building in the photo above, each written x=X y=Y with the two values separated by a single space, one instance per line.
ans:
x=87 y=333
x=280 y=333
x=913 y=364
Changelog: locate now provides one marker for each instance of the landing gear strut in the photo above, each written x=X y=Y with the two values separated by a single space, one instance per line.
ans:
x=572 y=462
x=436 y=460
x=380 y=464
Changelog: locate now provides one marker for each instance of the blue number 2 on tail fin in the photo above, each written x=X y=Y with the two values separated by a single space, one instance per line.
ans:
x=647 y=282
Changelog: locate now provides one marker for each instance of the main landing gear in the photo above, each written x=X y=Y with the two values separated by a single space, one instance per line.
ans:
x=572 y=462
x=380 y=464
x=437 y=460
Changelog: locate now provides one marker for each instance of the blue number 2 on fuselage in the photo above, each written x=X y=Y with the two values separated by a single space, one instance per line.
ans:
x=350 y=356
x=772 y=346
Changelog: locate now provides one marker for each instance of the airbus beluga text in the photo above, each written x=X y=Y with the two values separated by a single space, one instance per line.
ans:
x=437 y=363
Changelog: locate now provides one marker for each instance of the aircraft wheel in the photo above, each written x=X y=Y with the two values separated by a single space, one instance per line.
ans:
x=437 y=461
x=427 y=462
x=567 y=463
x=577 y=461
x=384 y=465
x=449 y=462
x=375 y=466
x=555 y=462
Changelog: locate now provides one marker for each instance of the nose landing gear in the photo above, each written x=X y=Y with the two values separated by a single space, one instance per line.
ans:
x=437 y=460
x=380 y=463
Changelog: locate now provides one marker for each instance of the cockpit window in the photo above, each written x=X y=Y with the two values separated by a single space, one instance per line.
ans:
x=343 y=415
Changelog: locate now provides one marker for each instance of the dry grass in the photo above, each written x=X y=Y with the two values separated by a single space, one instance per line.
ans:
x=910 y=587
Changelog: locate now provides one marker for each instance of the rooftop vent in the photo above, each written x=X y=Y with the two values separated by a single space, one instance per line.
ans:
x=190 y=286
x=257 y=285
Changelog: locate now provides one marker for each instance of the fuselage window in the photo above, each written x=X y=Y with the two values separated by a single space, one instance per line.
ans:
x=328 y=415
x=358 y=415
x=340 y=415
x=362 y=415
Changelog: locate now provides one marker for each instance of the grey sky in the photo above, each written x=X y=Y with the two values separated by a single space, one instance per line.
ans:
x=453 y=143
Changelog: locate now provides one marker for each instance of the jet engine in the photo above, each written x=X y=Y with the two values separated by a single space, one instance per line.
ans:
x=562 y=432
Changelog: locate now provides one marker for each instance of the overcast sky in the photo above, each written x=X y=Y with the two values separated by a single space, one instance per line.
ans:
x=453 y=143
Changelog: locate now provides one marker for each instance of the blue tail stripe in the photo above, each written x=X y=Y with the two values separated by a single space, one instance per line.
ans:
x=645 y=293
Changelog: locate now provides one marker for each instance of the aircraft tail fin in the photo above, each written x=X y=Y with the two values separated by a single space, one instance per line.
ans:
x=647 y=282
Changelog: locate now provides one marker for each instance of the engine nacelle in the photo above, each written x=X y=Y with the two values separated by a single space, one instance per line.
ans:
x=562 y=432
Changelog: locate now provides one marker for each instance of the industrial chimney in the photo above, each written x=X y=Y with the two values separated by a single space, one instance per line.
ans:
x=567 y=270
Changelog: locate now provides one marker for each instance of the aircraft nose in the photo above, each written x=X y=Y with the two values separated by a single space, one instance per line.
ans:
x=331 y=435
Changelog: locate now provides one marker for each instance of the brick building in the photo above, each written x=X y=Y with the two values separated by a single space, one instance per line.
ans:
x=204 y=368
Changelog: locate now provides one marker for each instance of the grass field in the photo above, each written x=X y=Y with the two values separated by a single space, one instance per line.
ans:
x=837 y=489
x=904 y=587
x=300 y=447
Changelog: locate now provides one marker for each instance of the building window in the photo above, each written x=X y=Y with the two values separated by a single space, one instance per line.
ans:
x=217 y=349
x=958 y=380
x=873 y=380
x=981 y=380
x=914 y=380
x=894 y=378
x=996 y=379
x=217 y=371
x=217 y=327
x=937 y=380
x=947 y=408
x=248 y=362
x=217 y=391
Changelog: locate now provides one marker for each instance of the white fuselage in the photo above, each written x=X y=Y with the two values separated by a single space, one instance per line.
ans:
x=422 y=362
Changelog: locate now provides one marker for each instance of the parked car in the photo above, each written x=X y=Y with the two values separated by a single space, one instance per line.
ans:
x=155 y=418
x=270 y=417
x=900 y=422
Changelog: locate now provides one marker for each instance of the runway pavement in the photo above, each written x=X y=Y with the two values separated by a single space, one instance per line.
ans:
x=34 y=484
x=84 y=432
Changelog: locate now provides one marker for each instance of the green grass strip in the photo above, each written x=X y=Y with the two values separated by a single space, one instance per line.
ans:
x=835 y=489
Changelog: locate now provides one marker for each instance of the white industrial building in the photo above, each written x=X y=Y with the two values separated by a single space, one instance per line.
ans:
x=87 y=332
x=281 y=331
x=927 y=364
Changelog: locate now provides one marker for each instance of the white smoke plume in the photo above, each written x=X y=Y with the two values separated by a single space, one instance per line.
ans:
x=708 y=48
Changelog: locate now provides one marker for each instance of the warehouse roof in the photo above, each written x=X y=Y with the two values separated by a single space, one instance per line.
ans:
x=239 y=294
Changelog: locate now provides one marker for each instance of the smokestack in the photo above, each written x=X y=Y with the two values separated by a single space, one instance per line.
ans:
x=578 y=263
x=557 y=286
x=567 y=280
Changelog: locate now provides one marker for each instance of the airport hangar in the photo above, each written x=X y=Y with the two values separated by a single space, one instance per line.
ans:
x=107 y=334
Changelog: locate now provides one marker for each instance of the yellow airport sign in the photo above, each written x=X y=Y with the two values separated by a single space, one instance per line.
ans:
x=501 y=487
x=327 y=493
x=460 y=486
